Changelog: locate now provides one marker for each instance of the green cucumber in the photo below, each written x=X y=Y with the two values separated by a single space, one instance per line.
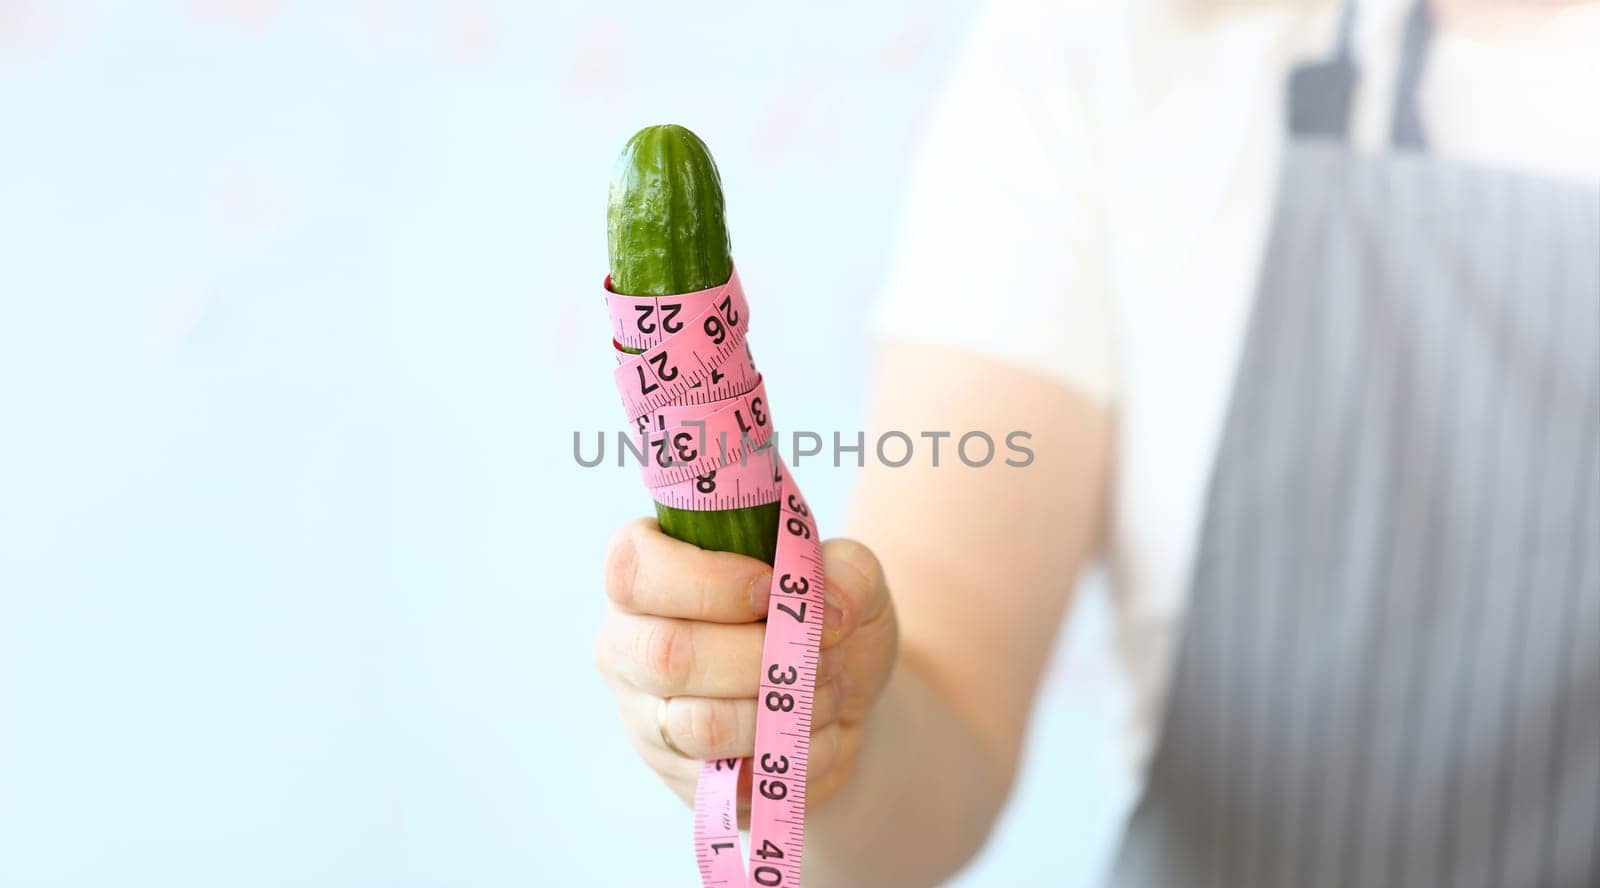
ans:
x=667 y=235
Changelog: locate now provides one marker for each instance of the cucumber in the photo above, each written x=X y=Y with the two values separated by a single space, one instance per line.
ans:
x=666 y=234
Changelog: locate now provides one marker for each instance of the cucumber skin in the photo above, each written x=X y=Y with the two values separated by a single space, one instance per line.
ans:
x=666 y=233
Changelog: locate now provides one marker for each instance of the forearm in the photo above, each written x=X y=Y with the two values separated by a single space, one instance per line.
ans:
x=921 y=798
x=980 y=564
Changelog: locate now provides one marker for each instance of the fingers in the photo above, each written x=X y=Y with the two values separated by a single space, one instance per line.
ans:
x=833 y=756
x=860 y=637
x=867 y=663
x=648 y=572
x=670 y=658
x=684 y=625
x=681 y=657
x=855 y=594
x=705 y=728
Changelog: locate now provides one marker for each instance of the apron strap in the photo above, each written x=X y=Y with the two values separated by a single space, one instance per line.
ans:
x=1405 y=128
x=1320 y=92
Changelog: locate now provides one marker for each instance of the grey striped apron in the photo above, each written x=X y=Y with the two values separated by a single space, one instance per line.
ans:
x=1390 y=669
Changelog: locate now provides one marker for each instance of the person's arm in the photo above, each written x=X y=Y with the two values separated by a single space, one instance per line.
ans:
x=923 y=693
x=930 y=661
x=981 y=564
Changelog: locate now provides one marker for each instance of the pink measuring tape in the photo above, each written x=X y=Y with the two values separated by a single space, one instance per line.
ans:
x=701 y=418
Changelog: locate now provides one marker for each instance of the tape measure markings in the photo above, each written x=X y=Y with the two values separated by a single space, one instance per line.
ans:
x=694 y=366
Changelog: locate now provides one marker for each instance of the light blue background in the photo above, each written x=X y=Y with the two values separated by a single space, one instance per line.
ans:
x=298 y=578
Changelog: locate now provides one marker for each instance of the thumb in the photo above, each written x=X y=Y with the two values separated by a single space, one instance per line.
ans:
x=854 y=591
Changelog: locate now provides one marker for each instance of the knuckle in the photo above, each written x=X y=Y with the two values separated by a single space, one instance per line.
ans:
x=606 y=648
x=666 y=651
x=825 y=705
x=622 y=565
x=838 y=758
x=824 y=749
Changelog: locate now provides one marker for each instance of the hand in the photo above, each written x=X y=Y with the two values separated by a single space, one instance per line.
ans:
x=685 y=626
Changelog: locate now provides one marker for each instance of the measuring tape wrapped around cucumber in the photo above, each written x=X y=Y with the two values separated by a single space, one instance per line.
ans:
x=700 y=416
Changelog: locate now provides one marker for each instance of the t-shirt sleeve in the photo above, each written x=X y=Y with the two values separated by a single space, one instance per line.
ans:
x=1001 y=246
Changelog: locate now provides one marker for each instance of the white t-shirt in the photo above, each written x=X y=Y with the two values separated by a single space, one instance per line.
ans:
x=1092 y=196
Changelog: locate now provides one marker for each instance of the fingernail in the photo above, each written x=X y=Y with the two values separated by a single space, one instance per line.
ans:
x=760 y=593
